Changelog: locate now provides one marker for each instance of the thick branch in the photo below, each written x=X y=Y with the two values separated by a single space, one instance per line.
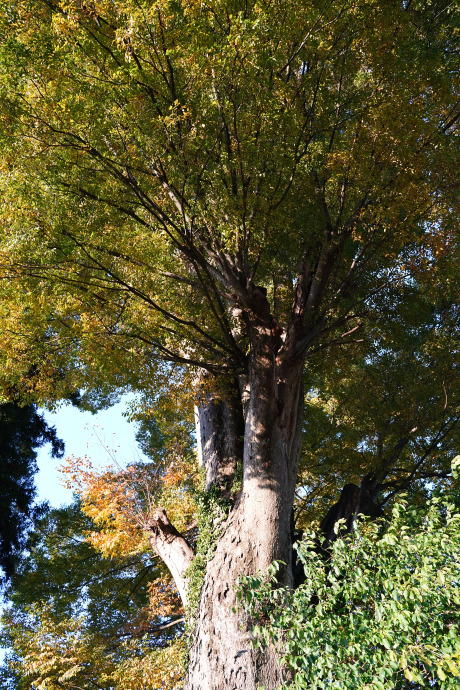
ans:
x=354 y=500
x=171 y=547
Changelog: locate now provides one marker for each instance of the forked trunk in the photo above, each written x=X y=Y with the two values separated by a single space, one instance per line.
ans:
x=255 y=427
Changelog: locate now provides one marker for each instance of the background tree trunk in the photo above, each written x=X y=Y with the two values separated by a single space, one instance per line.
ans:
x=219 y=430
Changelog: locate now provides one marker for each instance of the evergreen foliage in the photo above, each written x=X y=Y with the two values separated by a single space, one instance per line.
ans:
x=22 y=432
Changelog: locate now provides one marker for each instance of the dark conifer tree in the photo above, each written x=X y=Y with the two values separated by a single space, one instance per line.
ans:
x=22 y=431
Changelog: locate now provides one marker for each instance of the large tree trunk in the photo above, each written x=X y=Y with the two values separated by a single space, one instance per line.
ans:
x=258 y=529
x=256 y=533
x=221 y=655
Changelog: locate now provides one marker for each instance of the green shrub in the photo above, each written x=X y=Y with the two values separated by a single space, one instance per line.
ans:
x=381 y=611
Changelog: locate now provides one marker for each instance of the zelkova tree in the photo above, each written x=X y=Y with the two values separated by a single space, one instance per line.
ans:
x=227 y=188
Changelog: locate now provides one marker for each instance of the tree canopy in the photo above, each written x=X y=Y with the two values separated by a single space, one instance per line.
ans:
x=201 y=149
x=390 y=410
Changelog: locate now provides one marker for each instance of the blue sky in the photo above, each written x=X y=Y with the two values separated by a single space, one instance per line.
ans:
x=85 y=434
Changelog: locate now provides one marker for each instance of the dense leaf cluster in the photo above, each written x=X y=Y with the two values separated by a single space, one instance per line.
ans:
x=382 y=611
x=200 y=150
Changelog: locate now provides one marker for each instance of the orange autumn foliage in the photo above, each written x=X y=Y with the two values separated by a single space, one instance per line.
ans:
x=120 y=500
x=163 y=597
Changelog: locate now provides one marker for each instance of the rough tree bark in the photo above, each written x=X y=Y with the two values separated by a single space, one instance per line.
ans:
x=219 y=423
x=256 y=533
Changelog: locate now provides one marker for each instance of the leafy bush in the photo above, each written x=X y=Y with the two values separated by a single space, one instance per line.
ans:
x=381 y=611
